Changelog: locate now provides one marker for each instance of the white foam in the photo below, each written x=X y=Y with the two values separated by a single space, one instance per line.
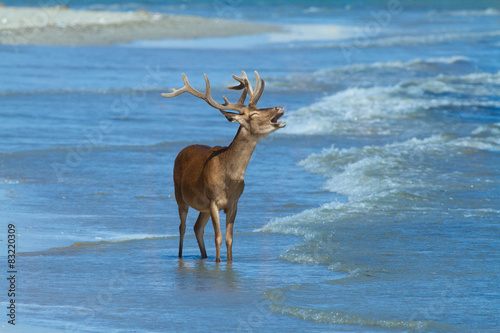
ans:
x=488 y=144
x=301 y=224
x=110 y=237
x=9 y=181
x=370 y=175
x=140 y=237
x=412 y=40
x=360 y=110
x=481 y=78
x=440 y=60
x=489 y=130
x=308 y=33
x=367 y=110
x=364 y=178
x=341 y=318
x=468 y=13
x=312 y=10
x=289 y=34
x=372 y=171
x=409 y=65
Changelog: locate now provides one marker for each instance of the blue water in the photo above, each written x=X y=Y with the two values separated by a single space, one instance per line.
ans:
x=376 y=209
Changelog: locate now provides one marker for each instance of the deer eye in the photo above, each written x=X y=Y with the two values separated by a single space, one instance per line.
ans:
x=254 y=114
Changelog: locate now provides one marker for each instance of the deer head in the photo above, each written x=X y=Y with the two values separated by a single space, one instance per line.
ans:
x=259 y=122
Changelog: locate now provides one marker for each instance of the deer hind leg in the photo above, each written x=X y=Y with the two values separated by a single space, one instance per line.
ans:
x=183 y=210
x=214 y=212
x=199 y=229
x=230 y=217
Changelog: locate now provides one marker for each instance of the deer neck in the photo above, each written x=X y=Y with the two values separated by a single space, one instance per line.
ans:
x=239 y=153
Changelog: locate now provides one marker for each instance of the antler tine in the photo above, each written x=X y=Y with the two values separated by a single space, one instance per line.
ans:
x=227 y=105
x=242 y=84
x=241 y=101
x=245 y=84
x=248 y=84
x=243 y=97
x=259 y=89
x=187 y=88
x=257 y=77
x=207 y=96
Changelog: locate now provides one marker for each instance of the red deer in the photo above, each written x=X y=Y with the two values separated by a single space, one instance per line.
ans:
x=211 y=179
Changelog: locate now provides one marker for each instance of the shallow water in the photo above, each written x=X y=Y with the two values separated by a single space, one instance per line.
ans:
x=375 y=210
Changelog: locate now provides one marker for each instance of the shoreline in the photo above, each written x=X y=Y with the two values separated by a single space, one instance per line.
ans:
x=61 y=26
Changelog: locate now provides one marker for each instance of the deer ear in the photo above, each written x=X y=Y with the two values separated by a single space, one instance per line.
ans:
x=232 y=117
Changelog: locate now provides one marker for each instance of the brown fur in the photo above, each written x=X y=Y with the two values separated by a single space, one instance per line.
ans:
x=211 y=179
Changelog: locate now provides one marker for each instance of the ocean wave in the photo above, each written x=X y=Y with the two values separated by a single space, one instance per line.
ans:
x=440 y=60
x=96 y=147
x=367 y=110
x=287 y=35
x=411 y=40
x=377 y=73
x=468 y=13
x=294 y=225
x=307 y=33
x=372 y=171
x=98 y=244
x=83 y=91
x=342 y=318
x=486 y=138
x=415 y=64
x=389 y=73
x=393 y=176
x=9 y=181
x=364 y=175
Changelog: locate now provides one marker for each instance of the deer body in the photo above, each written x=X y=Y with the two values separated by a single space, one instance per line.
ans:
x=211 y=179
x=202 y=174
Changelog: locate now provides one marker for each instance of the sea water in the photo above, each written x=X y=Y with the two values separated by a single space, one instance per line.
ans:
x=376 y=209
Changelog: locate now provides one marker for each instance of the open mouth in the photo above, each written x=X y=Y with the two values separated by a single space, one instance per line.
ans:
x=276 y=118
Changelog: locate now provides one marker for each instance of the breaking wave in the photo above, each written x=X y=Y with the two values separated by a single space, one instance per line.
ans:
x=423 y=66
x=111 y=242
x=342 y=318
x=376 y=176
x=369 y=110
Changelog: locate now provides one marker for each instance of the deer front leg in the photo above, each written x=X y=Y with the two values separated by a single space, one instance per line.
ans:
x=183 y=210
x=230 y=217
x=199 y=229
x=214 y=212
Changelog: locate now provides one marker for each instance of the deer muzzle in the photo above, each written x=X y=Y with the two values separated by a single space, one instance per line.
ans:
x=275 y=121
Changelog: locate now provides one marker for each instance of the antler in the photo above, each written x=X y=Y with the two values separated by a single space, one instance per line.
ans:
x=245 y=84
x=207 y=96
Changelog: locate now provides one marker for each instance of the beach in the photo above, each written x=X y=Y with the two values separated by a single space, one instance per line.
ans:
x=60 y=25
x=376 y=209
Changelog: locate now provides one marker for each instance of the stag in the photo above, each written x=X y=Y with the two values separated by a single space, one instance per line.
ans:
x=211 y=179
